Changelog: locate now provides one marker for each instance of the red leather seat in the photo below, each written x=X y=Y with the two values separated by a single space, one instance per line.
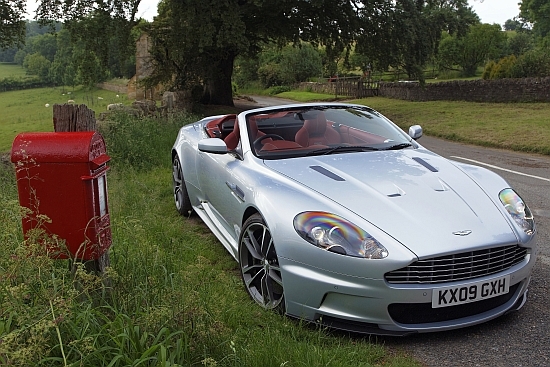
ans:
x=317 y=132
x=232 y=139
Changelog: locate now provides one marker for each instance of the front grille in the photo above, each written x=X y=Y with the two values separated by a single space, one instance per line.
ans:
x=466 y=265
x=423 y=313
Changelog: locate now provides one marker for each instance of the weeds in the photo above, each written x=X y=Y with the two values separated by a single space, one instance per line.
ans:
x=175 y=297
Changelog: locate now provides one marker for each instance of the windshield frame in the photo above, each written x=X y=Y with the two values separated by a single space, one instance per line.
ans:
x=354 y=123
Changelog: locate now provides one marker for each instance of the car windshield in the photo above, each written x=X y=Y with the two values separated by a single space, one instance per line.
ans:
x=320 y=130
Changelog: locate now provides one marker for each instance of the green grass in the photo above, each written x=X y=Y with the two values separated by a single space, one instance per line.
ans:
x=515 y=126
x=176 y=297
x=9 y=70
x=304 y=96
x=25 y=110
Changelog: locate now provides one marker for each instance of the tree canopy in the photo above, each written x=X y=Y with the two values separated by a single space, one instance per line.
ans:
x=537 y=12
x=196 y=43
x=12 y=23
x=482 y=42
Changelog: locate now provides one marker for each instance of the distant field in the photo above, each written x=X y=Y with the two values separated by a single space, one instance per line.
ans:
x=26 y=110
x=11 y=70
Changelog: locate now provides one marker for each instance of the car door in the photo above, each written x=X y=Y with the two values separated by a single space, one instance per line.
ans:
x=222 y=190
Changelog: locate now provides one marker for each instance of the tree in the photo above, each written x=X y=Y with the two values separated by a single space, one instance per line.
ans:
x=37 y=64
x=196 y=42
x=536 y=12
x=513 y=25
x=406 y=34
x=482 y=42
x=103 y=28
x=12 y=25
x=519 y=43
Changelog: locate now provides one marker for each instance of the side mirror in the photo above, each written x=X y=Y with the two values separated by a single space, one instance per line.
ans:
x=415 y=132
x=213 y=145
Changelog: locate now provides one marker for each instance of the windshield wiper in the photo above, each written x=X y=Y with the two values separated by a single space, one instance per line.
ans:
x=398 y=146
x=342 y=148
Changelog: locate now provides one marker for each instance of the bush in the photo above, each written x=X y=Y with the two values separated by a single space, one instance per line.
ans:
x=488 y=70
x=134 y=143
x=503 y=68
x=534 y=63
x=8 y=84
x=279 y=89
x=270 y=75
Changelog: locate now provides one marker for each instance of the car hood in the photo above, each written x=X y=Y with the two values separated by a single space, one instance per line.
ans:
x=421 y=199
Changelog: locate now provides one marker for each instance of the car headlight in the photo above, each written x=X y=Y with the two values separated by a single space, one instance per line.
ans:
x=336 y=234
x=518 y=210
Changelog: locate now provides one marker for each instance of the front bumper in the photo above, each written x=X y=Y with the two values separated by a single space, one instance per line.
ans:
x=378 y=307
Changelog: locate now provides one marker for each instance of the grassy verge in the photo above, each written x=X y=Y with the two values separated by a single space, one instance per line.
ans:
x=304 y=96
x=515 y=126
x=176 y=296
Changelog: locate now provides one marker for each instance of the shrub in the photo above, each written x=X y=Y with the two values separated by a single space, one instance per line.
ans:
x=503 y=68
x=270 y=75
x=534 y=63
x=488 y=70
x=279 y=89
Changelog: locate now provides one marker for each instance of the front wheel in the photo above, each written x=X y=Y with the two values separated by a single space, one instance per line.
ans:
x=181 y=197
x=259 y=265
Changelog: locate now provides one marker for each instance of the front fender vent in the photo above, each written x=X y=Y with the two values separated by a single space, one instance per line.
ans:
x=462 y=266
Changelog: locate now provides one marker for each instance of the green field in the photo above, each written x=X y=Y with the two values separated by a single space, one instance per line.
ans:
x=26 y=110
x=8 y=70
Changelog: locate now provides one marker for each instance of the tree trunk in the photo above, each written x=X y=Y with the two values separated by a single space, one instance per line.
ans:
x=218 y=89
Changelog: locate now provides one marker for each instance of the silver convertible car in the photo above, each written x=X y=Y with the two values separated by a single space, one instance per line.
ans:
x=338 y=217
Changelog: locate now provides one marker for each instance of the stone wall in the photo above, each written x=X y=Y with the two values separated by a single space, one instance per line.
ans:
x=113 y=87
x=500 y=90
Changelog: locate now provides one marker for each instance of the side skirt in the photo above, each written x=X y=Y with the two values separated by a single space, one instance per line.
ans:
x=205 y=213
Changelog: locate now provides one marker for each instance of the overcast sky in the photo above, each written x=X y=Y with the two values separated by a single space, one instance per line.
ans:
x=490 y=11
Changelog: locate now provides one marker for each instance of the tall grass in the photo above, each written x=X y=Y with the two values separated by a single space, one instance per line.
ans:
x=175 y=296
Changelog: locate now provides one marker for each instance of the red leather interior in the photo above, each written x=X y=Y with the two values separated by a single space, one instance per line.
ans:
x=232 y=140
x=214 y=127
x=317 y=131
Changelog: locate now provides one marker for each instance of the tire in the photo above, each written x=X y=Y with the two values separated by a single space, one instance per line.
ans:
x=259 y=265
x=181 y=197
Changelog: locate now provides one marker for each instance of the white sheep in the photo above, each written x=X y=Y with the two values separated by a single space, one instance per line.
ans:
x=71 y=101
x=117 y=96
x=100 y=98
x=114 y=106
x=47 y=105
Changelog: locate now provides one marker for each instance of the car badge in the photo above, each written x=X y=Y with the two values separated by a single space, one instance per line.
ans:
x=462 y=233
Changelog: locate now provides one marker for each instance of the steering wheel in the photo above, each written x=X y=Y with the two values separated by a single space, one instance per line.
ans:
x=258 y=146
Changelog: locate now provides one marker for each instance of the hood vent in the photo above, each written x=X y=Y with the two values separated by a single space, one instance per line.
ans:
x=327 y=173
x=425 y=164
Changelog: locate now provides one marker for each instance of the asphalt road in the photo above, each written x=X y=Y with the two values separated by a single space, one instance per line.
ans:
x=518 y=339
x=521 y=338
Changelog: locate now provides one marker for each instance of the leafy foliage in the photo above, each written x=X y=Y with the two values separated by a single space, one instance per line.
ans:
x=12 y=25
x=534 y=63
x=482 y=42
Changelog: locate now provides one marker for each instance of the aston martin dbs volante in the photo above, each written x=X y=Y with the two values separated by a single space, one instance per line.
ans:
x=338 y=217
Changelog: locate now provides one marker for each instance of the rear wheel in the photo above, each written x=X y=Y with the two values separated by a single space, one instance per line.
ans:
x=259 y=264
x=181 y=197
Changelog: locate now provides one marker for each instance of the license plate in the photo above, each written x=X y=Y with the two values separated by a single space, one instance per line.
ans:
x=473 y=292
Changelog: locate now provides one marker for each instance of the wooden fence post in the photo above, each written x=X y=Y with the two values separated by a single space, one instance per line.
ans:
x=70 y=118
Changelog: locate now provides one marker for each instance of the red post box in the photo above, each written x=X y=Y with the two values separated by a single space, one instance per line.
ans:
x=62 y=176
